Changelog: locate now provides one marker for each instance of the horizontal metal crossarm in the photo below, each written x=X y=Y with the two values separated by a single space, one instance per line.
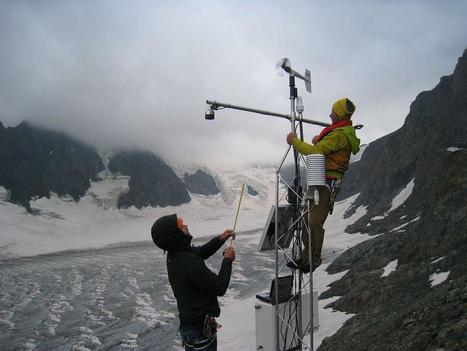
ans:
x=216 y=105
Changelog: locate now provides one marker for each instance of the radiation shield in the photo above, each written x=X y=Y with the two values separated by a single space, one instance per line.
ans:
x=285 y=232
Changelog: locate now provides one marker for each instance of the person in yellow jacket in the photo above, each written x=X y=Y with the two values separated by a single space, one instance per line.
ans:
x=336 y=142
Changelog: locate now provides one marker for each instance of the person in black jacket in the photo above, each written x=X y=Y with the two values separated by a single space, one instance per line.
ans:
x=194 y=285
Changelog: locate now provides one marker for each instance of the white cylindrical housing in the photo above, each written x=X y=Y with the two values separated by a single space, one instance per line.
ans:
x=315 y=170
x=300 y=108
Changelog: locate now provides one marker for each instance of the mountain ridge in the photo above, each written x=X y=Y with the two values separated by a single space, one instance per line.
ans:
x=36 y=162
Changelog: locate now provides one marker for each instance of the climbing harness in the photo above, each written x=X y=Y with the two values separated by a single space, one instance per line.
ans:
x=200 y=344
x=209 y=331
x=334 y=185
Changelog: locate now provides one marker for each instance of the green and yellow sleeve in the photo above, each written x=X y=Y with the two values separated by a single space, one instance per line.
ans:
x=334 y=141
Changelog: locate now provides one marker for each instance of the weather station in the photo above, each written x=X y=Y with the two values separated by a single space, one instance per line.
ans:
x=287 y=315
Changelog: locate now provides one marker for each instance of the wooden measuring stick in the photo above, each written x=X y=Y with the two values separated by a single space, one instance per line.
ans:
x=238 y=210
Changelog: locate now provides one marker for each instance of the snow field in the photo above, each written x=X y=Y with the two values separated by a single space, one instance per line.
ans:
x=438 y=278
x=95 y=221
x=389 y=268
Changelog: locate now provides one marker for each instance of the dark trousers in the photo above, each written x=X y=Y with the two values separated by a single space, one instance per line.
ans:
x=316 y=218
x=194 y=339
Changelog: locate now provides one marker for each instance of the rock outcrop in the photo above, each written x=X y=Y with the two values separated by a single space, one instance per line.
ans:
x=201 y=183
x=35 y=162
x=250 y=190
x=152 y=181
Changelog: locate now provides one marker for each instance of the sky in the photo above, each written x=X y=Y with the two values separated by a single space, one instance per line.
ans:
x=136 y=74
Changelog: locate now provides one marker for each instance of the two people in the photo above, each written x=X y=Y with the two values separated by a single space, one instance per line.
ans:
x=337 y=142
x=194 y=285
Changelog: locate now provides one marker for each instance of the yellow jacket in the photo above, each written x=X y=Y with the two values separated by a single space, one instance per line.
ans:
x=336 y=146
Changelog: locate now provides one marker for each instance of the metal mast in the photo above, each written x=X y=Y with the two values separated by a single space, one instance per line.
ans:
x=299 y=228
x=289 y=333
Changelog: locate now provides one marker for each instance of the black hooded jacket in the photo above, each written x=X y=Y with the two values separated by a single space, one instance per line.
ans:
x=195 y=286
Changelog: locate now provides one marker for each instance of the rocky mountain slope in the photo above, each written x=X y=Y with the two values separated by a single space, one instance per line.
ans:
x=408 y=285
x=35 y=162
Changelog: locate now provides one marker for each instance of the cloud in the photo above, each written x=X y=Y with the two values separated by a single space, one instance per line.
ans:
x=137 y=74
